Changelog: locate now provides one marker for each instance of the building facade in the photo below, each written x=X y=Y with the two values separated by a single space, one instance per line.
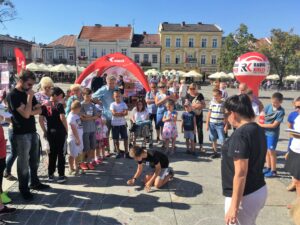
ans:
x=62 y=50
x=37 y=53
x=96 y=41
x=190 y=46
x=145 y=50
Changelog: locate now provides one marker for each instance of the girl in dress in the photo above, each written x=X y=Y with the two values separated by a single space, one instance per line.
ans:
x=170 y=129
x=101 y=139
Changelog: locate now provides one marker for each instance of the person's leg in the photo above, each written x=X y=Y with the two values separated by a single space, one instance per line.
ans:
x=268 y=160
x=297 y=183
x=109 y=132
x=199 y=123
x=34 y=160
x=173 y=144
x=2 y=167
x=273 y=157
x=221 y=133
x=192 y=145
x=61 y=155
x=52 y=155
x=213 y=135
x=116 y=136
x=12 y=155
x=167 y=142
x=23 y=145
x=156 y=127
x=187 y=143
x=71 y=163
x=124 y=136
x=163 y=178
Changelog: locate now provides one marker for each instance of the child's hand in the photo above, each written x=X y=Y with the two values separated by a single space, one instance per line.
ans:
x=77 y=141
x=131 y=182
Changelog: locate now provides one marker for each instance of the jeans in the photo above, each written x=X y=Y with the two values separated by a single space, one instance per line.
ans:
x=216 y=132
x=27 y=147
x=57 y=152
x=12 y=155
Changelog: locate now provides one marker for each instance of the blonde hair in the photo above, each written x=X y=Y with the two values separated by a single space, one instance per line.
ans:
x=75 y=87
x=45 y=82
x=75 y=105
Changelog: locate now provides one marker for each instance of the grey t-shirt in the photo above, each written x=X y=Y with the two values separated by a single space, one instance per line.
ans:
x=90 y=110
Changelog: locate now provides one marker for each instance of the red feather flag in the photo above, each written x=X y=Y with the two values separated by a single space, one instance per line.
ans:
x=20 y=60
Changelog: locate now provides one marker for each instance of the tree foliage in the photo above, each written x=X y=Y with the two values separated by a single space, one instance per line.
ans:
x=7 y=11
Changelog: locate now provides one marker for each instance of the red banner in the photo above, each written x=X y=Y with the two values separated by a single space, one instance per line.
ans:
x=20 y=60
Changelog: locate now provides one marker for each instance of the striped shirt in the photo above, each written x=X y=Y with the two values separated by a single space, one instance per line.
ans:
x=217 y=112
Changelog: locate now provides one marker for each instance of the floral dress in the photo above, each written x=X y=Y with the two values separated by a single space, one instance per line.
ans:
x=170 y=128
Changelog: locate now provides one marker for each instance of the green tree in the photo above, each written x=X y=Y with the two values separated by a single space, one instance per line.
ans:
x=283 y=53
x=7 y=11
x=234 y=45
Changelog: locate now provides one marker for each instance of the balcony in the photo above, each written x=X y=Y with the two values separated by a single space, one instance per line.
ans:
x=82 y=58
x=59 y=61
x=145 y=64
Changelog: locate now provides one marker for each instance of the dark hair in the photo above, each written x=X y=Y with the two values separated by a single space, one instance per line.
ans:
x=27 y=75
x=217 y=91
x=144 y=105
x=170 y=102
x=278 y=96
x=297 y=99
x=117 y=91
x=136 y=151
x=240 y=104
x=87 y=91
x=57 y=91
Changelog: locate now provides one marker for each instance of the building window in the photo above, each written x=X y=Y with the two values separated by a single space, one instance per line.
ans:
x=203 y=42
x=213 y=59
x=124 y=51
x=112 y=51
x=137 y=58
x=168 y=42
x=94 y=53
x=191 y=42
x=168 y=59
x=82 y=52
x=177 y=59
x=146 y=57
x=203 y=59
x=71 y=56
x=215 y=43
x=178 y=42
x=154 y=58
x=10 y=52
x=49 y=55
x=103 y=52
x=60 y=55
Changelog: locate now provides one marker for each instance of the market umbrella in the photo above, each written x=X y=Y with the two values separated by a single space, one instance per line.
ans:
x=273 y=77
x=292 y=78
x=152 y=72
x=181 y=73
x=61 y=68
x=72 y=69
x=192 y=73
x=34 y=67
x=166 y=72
x=173 y=72
x=220 y=75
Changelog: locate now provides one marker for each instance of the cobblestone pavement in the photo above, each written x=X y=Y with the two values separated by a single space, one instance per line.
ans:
x=193 y=197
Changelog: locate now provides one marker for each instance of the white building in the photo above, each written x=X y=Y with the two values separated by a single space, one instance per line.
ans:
x=145 y=50
x=96 y=41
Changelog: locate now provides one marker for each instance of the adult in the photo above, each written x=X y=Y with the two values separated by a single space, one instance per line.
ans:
x=182 y=91
x=121 y=85
x=156 y=160
x=44 y=93
x=23 y=106
x=105 y=95
x=154 y=79
x=97 y=83
x=242 y=163
x=223 y=87
x=198 y=104
x=243 y=88
x=161 y=99
x=163 y=79
x=152 y=109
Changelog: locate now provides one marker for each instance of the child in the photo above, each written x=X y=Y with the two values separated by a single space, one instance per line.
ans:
x=89 y=114
x=4 y=198
x=75 y=132
x=215 y=122
x=75 y=95
x=119 y=127
x=54 y=114
x=274 y=115
x=170 y=129
x=255 y=106
x=101 y=139
x=189 y=127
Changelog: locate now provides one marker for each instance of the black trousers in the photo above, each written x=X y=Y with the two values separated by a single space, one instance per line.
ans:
x=2 y=168
x=57 y=152
x=199 y=124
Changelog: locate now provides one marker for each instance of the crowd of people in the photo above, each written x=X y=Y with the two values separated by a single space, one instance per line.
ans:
x=79 y=123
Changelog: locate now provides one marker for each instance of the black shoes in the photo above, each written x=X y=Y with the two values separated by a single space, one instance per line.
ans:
x=27 y=196
x=39 y=186
x=6 y=210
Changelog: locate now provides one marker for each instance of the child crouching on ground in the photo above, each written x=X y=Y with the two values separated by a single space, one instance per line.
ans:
x=101 y=139
x=75 y=142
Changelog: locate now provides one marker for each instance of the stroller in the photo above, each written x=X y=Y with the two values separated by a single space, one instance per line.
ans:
x=143 y=130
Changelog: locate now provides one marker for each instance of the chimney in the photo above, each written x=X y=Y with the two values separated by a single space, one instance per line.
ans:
x=200 y=23
x=144 y=32
x=129 y=25
x=98 y=25
x=117 y=25
x=183 y=24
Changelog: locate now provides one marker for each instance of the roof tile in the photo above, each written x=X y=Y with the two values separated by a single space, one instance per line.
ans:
x=100 y=33
x=66 y=40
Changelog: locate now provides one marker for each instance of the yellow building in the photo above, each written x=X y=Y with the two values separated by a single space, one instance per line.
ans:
x=190 y=46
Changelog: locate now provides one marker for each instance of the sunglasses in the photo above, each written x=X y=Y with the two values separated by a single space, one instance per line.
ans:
x=192 y=88
x=162 y=86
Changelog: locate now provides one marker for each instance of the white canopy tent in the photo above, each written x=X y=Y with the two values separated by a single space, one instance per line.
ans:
x=193 y=73
x=272 y=77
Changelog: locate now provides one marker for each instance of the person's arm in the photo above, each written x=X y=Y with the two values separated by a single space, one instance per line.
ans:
x=149 y=101
x=239 y=181
x=37 y=110
x=74 y=130
x=64 y=121
x=26 y=110
x=174 y=117
x=182 y=127
x=270 y=126
x=260 y=105
x=162 y=101
x=154 y=176
x=166 y=117
x=195 y=125
x=136 y=175
x=42 y=125
x=207 y=120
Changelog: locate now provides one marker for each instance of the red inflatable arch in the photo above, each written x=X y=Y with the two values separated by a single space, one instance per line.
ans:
x=112 y=60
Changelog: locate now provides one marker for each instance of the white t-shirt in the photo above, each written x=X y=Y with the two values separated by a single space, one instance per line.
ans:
x=74 y=119
x=183 y=90
x=139 y=116
x=255 y=108
x=295 y=145
x=118 y=107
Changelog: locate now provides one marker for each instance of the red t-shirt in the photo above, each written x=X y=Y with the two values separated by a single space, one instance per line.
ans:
x=2 y=144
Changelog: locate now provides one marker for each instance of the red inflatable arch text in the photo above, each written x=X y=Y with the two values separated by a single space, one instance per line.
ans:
x=112 y=60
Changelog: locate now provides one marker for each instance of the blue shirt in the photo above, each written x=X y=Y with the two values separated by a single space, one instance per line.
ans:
x=161 y=108
x=188 y=120
x=151 y=107
x=291 y=119
x=271 y=116
x=105 y=95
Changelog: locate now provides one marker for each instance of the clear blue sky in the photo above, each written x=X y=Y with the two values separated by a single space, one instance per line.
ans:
x=47 y=20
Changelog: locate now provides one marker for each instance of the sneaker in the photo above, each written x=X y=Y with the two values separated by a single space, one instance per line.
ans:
x=271 y=174
x=188 y=152
x=71 y=172
x=39 y=186
x=291 y=187
x=27 y=196
x=127 y=156
x=266 y=170
x=107 y=154
x=6 y=210
x=4 y=198
x=61 y=179
x=10 y=177
x=83 y=166
x=98 y=161
x=118 y=156
x=90 y=166
x=51 y=178
x=215 y=155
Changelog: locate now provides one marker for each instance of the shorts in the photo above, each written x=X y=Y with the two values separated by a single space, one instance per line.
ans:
x=188 y=134
x=164 y=172
x=216 y=132
x=118 y=131
x=75 y=150
x=89 y=141
x=272 y=142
